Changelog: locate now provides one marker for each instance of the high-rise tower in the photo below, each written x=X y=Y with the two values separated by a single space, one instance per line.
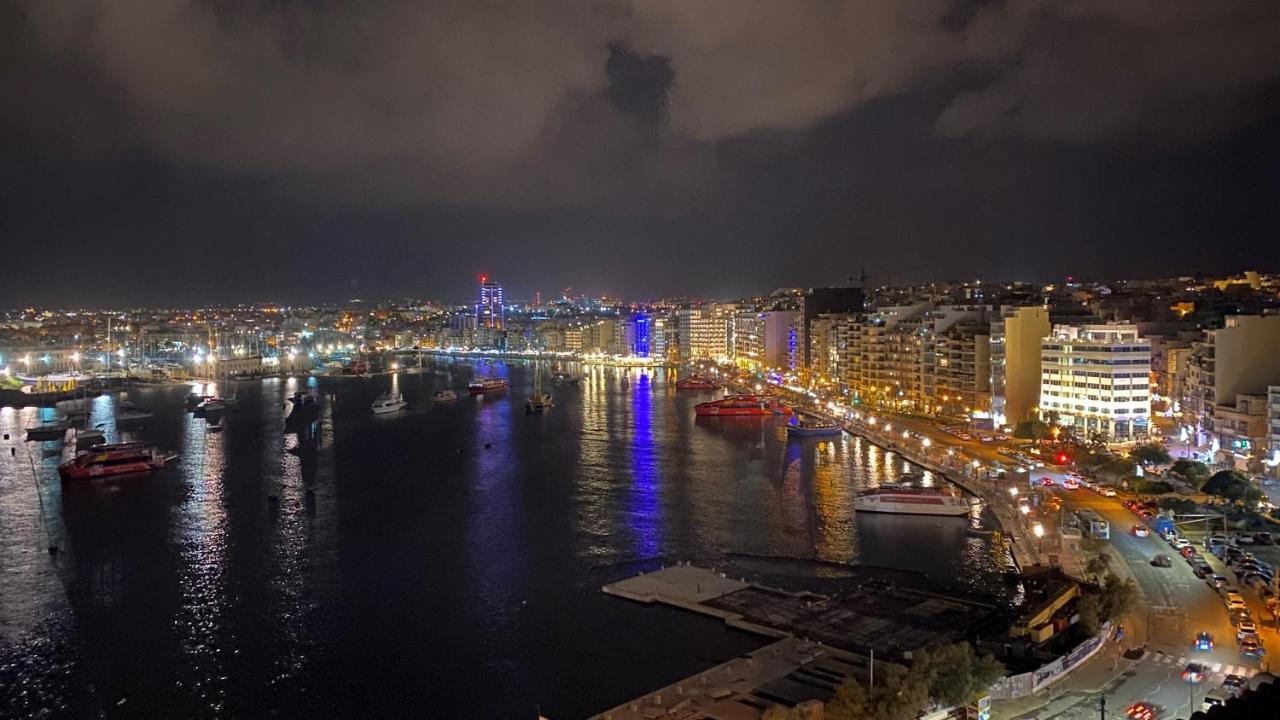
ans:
x=489 y=309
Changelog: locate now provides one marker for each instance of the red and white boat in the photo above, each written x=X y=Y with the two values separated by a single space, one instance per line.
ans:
x=911 y=501
x=481 y=386
x=103 y=461
x=742 y=405
x=695 y=382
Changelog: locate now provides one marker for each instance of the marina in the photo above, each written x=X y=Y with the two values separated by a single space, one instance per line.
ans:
x=305 y=495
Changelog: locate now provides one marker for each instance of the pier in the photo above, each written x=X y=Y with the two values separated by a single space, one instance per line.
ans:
x=818 y=640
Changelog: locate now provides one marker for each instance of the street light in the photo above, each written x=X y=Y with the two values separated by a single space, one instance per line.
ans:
x=926 y=442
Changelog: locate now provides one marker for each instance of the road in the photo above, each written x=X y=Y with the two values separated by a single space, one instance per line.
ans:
x=1174 y=606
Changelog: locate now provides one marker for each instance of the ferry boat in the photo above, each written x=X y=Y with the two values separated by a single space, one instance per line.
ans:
x=389 y=402
x=112 y=460
x=481 y=386
x=742 y=406
x=812 y=426
x=695 y=382
x=444 y=396
x=907 y=500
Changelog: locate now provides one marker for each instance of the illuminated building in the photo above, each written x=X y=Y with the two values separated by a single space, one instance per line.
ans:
x=489 y=311
x=1096 y=378
x=1240 y=359
x=768 y=339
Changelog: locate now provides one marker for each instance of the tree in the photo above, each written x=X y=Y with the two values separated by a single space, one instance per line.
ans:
x=1031 y=430
x=1233 y=486
x=899 y=695
x=1191 y=472
x=1097 y=565
x=955 y=674
x=1149 y=454
x=1089 y=611
x=1177 y=505
x=1152 y=487
x=1107 y=602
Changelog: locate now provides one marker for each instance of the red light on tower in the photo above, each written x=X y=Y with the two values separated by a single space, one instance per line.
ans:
x=484 y=278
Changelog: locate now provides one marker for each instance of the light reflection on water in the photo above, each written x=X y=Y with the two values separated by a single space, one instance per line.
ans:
x=468 y=531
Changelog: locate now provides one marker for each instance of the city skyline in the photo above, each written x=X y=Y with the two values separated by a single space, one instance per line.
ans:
x=328 y=152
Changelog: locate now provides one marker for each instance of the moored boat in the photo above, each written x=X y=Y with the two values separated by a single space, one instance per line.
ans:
x=111 y=461
x=389 y=402
x=48 y=431
x=742 y=406
x=911 y=501
x=812 y=426
x=538 y=402
x=89 y=438
x=484 y=385
x=444 y=396
x=695 y=382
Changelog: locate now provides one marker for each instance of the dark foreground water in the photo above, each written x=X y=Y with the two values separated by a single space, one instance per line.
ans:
x=446 y=564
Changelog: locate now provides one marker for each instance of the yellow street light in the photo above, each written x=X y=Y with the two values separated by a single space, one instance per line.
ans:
x=1037 y=530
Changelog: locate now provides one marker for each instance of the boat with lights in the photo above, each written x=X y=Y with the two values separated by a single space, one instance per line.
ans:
x=389 y=402
x=805 y=425
x=103 y=461
x=485 y=385
x=908 y=500
x=695 y=382
x=741 y=406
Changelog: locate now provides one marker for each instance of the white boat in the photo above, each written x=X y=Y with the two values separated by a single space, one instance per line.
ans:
x=388 y=402
x=89 y=438
x=911 y=501
x=444 y=396
x=129 y=414
x=484 y=385
x=539 y=400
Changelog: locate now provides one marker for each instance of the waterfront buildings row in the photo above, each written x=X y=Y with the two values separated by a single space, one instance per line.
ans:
x=1109 y=359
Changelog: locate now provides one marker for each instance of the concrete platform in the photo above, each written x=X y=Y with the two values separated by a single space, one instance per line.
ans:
x=678 y=584
x=788 y=671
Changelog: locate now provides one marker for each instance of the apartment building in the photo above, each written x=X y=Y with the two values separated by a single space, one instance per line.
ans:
x=1242 y=358
x=1015 y=340
x=769 y=339
x=1097 y=379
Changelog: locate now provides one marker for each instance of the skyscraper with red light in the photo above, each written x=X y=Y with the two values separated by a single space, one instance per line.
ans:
x=489 y=309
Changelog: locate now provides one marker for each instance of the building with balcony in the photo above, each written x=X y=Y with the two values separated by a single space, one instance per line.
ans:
x=1096 y=378
x=1240 y=358
x=1015 y=340
x=769 y=339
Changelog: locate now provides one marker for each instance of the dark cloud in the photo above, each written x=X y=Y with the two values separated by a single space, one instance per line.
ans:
x=832 y=126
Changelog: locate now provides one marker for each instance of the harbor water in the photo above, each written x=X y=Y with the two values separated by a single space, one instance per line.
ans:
x=443 y=561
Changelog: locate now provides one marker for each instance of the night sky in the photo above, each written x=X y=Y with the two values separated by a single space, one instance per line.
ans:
x=167 y=152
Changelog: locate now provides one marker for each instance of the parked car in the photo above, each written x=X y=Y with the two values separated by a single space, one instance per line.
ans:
x=1217 y=581
x=1180 y=542
x=1107 y=491
x=1245 y=627
x=1235 y=601
x=1251 y=650
x=1071 y=484
x=1202 y=570
x=1188 y=551
x=1244 y=539
x=1236 y=684
x=1140 y=530
x=1211 y=540
x=1263 y=538
x=1162 y=561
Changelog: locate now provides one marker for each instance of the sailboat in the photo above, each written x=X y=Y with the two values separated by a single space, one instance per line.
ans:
x=539 y=400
